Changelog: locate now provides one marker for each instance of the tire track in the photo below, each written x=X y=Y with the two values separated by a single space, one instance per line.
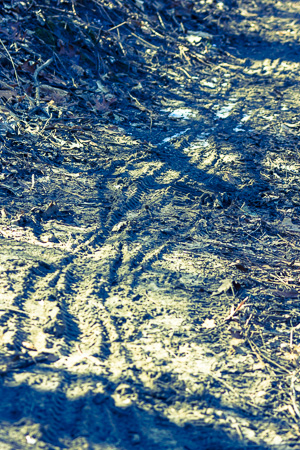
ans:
x=96 y=335
x=91 y=338
x=32 y=274
x=88 y=326
x=134 y=202
x=180 y=192
x=66 y=333
x=104 y=299
x=42 y=318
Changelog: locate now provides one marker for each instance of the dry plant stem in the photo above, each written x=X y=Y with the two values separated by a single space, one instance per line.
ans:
x=184 y=71
x=43 y=129
x=73 y=8
x=296 y=247
x=160 y=20
x=293 y=396
x=234 y=391
x=236 y=310
x=36 y=83
x=157 y=34
x=14 y=310
x=120 y=43
x=145 y=42
x=248 y=320
x=266 y=358
x=143 y=108
x=117 y=26
x=12 y=62
x=256 y=353
x=98 y=3
x=262 y=339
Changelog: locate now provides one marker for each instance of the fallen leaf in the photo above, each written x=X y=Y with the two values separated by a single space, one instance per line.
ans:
x=288 y=225
x=209 y=323
x=4 y=214
x=28 y=67
x=291 y=356
x=51 y=210
x=101 y=106
x=67 y=49
x=39 y=340
x=119 y=226
x=78 y=69
x=226 y=285
x=51 y=357
x=58 y=96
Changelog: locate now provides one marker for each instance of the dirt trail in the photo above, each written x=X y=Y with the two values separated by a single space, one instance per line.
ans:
x=118 y=327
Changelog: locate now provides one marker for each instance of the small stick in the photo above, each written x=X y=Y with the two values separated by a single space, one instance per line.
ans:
x=145 y=42
x=48 y=120
x=160 y=20
x=36 y=83
x=117 y=26
x=13 y=310
x=236 y=309
x=120 y=43
x=248 y=320
x=184 y=71
x=263 y=356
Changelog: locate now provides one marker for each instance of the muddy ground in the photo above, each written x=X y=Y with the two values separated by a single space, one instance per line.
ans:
x=150 y=226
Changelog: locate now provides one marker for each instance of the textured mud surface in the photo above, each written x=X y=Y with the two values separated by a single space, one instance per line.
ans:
x=125 y=259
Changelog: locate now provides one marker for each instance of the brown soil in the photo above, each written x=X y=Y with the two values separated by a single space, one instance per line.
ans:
x=150 y=225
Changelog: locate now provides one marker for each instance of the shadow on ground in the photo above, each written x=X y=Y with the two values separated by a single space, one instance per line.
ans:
x=93 y=421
